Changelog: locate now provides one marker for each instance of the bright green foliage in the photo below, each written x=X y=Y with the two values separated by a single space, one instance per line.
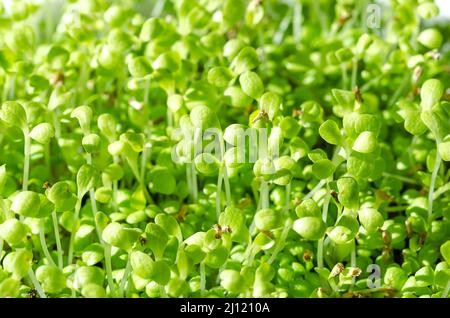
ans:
x=236 y=148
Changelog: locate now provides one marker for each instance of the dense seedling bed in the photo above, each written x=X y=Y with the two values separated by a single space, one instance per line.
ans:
x=234 y=148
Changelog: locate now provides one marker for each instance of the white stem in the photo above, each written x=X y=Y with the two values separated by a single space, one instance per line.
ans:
x=74 y=228
x=189 y=181
x=315 y=189
x=320 y=243
x=297 y=21
x=26 y=164
x=320 y=252
x=57 y=125
x=106 y=247
x=58 y=240
x=125 y=277
x=441 y=190
x=264 y=195
x=353 y=260
x=287 y=226
x=108 y=267
x=437 y=164
x=227 y=186
x=202 y=279
x=401 y=178
x=219 y=192
x=36 y=284
x=44 y=244
x=12 y=86
x=194 y=182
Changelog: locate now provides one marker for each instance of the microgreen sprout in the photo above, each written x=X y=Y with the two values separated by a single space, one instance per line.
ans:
x=224 y=149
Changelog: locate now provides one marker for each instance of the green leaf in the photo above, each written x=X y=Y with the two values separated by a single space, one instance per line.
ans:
x=341 y=234
x=59 y=97
x=251 y=84
x=395 y=277
x=234 y=219
x=14 y=114
x=26 y=203
x=233 y=11
x=57 y=57
x=18 y=263
x=51 y=278
x=85 y=275
x=9 y=287
x=323 y=168
x=444 y=150
x=428 y=10
x=344 y=55
x=92 y=254
x=308 y=207
x=317 y=154
x=139 y=67
x=151 y=29
x=298 y=148
x=445 y=251
x=366 y=142
x=431 y=38
x=235 y=134
x=107 y=125
x=430 y=93
x=162 y=180
x=84 y=116
x=270 y=103
x=436 y=121
x=42 y=133
x=219 y=76
x=117 y=235
x=424 y=276
x=360 y=165
x=331 y=133
x=267 y=219
x=290 y=127
x=232 y=281
x=344 y=98
x=236 y=97
x=348 y=193
x=233 y=47
x=157 y=239
x=3 y=177
x=370 y=219
x=142 y=265
x=120 y=40
x=161 y=272
x=61 y=195
x=204 y=117
x=217 y=257
x=168 y=61
x=170 y=225
x=310 y=227
x=86 y=178
x=355 y=123
x=207 y=164
x=246 y=60
x=91 y=143
x=13 y=231
x=411 y=114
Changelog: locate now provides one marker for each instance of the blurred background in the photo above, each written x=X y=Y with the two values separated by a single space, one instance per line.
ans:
x=444 y=5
